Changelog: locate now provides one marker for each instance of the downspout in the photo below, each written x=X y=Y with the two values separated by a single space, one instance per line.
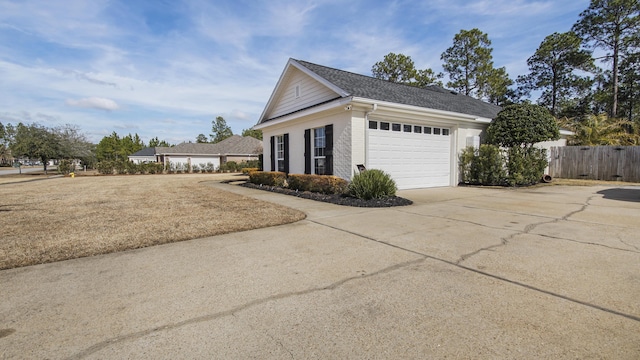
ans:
x=374 y=107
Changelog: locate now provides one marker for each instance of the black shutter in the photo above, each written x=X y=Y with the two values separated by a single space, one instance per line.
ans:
x=328 y=150
x=273 y=153
x=286 y=153
x=307 y=151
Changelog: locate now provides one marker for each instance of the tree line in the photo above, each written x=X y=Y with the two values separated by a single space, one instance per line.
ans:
x=562 y=71
x=35 y=141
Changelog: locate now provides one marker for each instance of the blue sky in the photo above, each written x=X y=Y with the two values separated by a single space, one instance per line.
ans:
x=167 y=68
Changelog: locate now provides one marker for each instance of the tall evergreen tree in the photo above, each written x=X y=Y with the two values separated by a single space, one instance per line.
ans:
x=469 y=63
x=220 y=130
x=552 y=70
x=400 y=68
x=611 y=25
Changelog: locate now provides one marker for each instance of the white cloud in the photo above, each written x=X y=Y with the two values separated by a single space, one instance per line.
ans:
x=94 y=103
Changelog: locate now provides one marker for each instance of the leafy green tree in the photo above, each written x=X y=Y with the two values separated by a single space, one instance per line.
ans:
x=74 y=145
x=522 y=125
x=552 y=70
x=154 y=142
x=400 y=68
x=611 y=25
x=469 y=63
x=36 y=142
x=115 y=148
x=593 y=130
x=253 y=133
x=202 y=139
x=220 y=130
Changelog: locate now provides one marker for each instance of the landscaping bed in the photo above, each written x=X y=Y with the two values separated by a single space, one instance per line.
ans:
x=338 y=199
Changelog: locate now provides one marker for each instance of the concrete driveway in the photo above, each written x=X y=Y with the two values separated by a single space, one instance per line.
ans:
x=551 y=272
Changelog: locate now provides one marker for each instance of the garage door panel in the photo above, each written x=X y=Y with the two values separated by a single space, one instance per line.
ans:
x=413 y=160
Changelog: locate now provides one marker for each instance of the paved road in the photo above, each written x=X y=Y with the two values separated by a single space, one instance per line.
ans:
x=25 y=170
x=552 y=272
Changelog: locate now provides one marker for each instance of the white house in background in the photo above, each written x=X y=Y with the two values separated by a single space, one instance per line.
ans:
x=235 y=148
x=146 y=155
x=321 y=120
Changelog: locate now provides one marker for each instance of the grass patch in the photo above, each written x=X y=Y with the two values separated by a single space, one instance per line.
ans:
x=64 y=218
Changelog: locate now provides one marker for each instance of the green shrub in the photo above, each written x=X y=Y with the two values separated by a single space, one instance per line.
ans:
x=269 y=178
x=325 y=184
x=231 y=166
x=372 y=184
x=209 y=167
x=525 y=165
x=65 y=167
x=132 y=168
x=249 y=164
x=105 y=167
x=485 y=166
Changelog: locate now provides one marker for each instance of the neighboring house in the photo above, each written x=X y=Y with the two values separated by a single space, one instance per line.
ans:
x=145 y=155
x=235 y=148
x=321 y=120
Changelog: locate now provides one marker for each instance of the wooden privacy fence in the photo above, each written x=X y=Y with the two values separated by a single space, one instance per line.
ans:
x=618 y=163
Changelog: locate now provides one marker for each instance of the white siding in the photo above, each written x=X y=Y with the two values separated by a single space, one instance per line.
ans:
x=342 y=164
x=142 y=159
x=312 y=92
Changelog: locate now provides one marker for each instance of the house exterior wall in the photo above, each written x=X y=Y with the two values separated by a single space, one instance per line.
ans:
x=142 y=159
x=311 y=92
x=193 y=160
x=342 y=155
x=240 y=159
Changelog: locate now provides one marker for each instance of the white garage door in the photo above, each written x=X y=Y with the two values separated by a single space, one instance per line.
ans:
x=415 y=156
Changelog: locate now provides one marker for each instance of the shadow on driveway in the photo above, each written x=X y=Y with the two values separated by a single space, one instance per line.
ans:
x=622 y=194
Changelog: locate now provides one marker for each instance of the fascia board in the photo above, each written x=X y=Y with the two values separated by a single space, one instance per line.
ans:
x=318 y=78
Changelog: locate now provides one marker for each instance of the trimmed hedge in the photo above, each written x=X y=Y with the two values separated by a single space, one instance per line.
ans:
x=246 y=171
x=269 y=178
x=325 y=184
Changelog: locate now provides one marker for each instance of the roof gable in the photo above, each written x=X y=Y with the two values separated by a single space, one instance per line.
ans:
x=356 y=85
x=299 y=88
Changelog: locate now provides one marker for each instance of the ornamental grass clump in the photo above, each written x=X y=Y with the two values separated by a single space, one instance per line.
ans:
x=372 y=184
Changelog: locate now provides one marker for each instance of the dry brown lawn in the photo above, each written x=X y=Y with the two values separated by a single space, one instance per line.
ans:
x=63 y=218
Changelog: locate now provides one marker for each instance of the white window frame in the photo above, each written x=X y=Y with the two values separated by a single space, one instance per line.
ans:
x=279 y=153
x=319 y=139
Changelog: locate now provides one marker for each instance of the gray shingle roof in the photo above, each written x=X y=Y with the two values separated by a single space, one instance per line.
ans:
x=234 y=145
x=149 y=151
x=432 y=97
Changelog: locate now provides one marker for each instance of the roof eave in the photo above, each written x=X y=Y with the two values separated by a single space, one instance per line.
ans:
x=310 y=111
x=423 y=110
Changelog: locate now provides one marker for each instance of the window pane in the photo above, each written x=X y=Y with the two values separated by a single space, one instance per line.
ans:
x=384 y=126
x=395 y=127
x=417 y=129
x=319 y=166
x=445 y=132
x=427 y=130
x=373 y=124
x=436 y=131
x=406 y=128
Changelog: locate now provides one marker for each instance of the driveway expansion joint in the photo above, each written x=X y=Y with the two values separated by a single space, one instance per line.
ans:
x=233 y=312
x=493 y=276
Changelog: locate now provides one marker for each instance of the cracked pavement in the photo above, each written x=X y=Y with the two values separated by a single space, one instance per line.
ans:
x=549 y=272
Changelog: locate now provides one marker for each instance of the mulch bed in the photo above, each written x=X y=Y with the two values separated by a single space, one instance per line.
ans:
x=336 y=198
